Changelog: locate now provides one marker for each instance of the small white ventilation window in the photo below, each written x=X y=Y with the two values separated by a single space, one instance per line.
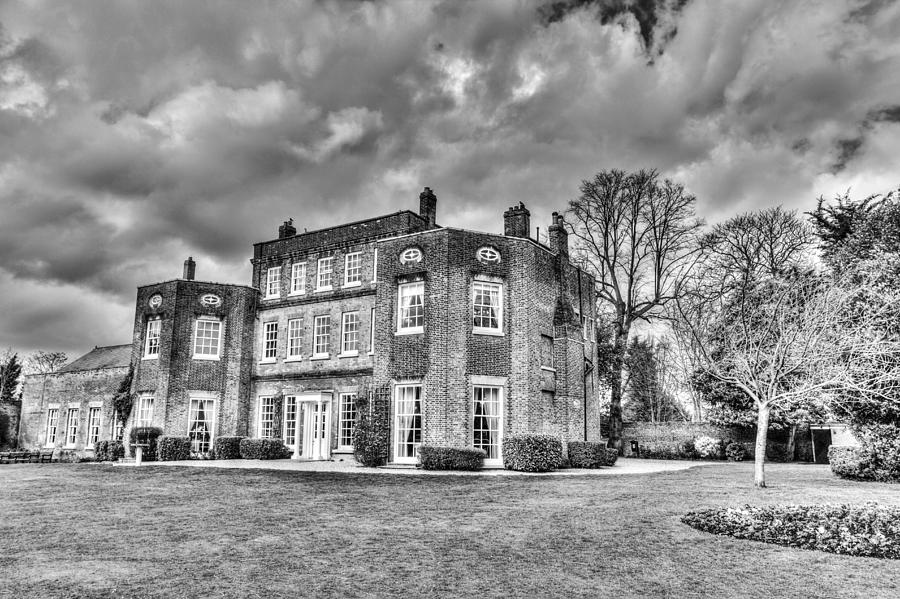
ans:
x=410 y=255
x=488 y=255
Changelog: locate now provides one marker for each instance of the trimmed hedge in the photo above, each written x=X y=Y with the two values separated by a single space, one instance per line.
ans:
x=227 y=448
x=612 y=455
x=869 y=530
x=532 y=453
x=264 y=449
x=450 y=458
x=735 y=452
x=108 y=451
x=146 y=435
x=171 y=449
x=586 y=454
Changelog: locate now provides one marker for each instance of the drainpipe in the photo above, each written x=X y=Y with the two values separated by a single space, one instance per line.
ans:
x=588 y=367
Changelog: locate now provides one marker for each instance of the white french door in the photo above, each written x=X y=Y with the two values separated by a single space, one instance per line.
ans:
x=291 y=420
x=317 y=427
x=407 y=423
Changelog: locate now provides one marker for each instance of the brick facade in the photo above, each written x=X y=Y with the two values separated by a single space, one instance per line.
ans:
x=273 y=374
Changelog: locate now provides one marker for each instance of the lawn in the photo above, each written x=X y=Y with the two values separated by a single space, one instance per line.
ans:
x=92 y=530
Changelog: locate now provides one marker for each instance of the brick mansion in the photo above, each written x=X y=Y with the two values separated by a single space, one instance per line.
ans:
x=470 y=336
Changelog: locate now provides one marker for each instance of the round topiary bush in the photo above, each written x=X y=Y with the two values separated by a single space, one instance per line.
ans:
x=735 y=452
x=532 y=453
x=869 y=530
x=611 y=456
x=708 y=447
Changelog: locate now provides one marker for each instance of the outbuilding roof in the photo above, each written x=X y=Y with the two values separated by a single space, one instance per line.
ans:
x=111 y=356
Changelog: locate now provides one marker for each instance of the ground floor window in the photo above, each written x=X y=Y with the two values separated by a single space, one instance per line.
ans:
x=200 y=426
x=290 y=421
x=144 y=410
x=118 y=432
x=52 y=425
x=72 y=427
x=93 y=426
x=266 y=417
x=486 y=420
x=348 y=419
x=408 y=422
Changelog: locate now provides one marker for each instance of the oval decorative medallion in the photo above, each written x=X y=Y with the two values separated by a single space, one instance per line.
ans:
x=155 y=301
x=410 y=255
x=212 y=300
x=488 y=255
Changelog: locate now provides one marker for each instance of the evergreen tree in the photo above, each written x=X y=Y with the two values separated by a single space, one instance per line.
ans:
x=10 y=373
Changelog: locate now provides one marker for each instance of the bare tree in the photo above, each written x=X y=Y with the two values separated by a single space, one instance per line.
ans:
x=44 y=363
x=780 y=333
x=637 y=235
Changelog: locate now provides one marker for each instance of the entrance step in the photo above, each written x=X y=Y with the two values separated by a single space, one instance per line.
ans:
x=393 y=466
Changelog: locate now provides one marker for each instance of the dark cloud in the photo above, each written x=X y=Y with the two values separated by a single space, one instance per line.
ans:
x=137 y=133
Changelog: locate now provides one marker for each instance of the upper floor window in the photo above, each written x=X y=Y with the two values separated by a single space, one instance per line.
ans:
x=298 y=278
x=323 y=274
x=546 y=351
x=410 y=255
x=488 y=255
x=144 y=413
x=270 y=341
x=295 y=330
x=352 y=269
x=207 y=339
x=372 y=331
x=151 y=341
x=375 y=266
x=487 y=308
x=321 y=336
x=273 y=282
x=411 y=308
x=350 y=333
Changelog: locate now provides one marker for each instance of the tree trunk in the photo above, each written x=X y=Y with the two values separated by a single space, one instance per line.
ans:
x=615 y=402
x=791 y=443
x=762 y=432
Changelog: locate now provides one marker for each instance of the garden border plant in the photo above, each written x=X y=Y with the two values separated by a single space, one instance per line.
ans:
x=532 y=453
x=450 y=458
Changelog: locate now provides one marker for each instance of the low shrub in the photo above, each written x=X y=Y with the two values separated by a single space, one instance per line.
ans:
x=264 y=449
x=146 y=436
x=882 y=442
x=450 y=458
x=869 y=530
x=171 y=449
x=108 y=451
x=708 y=447
x=100 y=451
x=854 y=463
x=611 y=456
x=735 y=452
x=532 y=453
x=227 y=448
x=587 y=454
x=371 y=440
x=688 y=449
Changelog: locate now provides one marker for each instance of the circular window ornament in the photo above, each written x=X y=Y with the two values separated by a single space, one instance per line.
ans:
x=488 y=255
x=155 y=301
x=211 y=300
x=410 y=255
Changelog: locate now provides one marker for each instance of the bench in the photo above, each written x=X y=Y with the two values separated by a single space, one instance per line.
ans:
x=23 y=457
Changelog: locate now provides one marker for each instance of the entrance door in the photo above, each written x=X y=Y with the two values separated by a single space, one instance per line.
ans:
x=317 y=429
x=407 y=423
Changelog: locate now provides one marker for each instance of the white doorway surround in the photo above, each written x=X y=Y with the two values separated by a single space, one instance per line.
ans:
x=316 y=442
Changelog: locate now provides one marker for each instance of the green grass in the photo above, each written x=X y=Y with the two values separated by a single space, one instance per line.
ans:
x=95 y=531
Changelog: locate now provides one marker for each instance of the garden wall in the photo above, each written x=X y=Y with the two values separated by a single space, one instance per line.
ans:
x=9 y=423
x=671 y=435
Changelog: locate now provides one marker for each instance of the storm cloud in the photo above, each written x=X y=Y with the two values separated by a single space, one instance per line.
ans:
x=137 y=133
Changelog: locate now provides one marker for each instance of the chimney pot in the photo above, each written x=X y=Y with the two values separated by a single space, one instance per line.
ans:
x=428 y=207
x=559 y=237
x=517 y=222
x=190 y=268
x=287 y=229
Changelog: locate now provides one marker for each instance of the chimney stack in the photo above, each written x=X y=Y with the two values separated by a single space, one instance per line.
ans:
x=189 y=268
x=287 y=229
x=559 y=237
x=517 y=222
x=428 y=207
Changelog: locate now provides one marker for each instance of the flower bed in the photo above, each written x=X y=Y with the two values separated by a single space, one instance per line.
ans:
x=868 y=530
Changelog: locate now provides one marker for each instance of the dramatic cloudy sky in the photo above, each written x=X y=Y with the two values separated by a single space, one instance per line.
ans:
x=134 y=134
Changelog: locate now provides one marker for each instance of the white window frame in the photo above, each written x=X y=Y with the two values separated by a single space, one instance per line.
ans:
x=298 y=278
x=480 y=330
x=52 y=426
x=154 y=327
x=93 y=427
x=356 y=280
x=401 y=288
x=273 y=282
x=398 y=388
x=497 y=384
x=218 y=353
x=118 y=429
x=210 y=419
x=345 y=334
x=294 y=340
x=71 y=439
x=269 y=342
x=325 y=266
x=288 y=441
x=143 y=415
x=326 y=320
x=346 y=419
x=261 y=412
x=375 y=266
x=372 y=332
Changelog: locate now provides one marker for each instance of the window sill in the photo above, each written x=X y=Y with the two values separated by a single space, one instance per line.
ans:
x=296 y=293
x=491 y=332
x=268 y=361
x=294 y=359
x=207 y=358
x=353 y=284
x=323 y=289
x=416 y=331
x=349 y=354
x=548 y=368
x=271 y=297
x=156 y=357
x=371 y=353
x=320 y=356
